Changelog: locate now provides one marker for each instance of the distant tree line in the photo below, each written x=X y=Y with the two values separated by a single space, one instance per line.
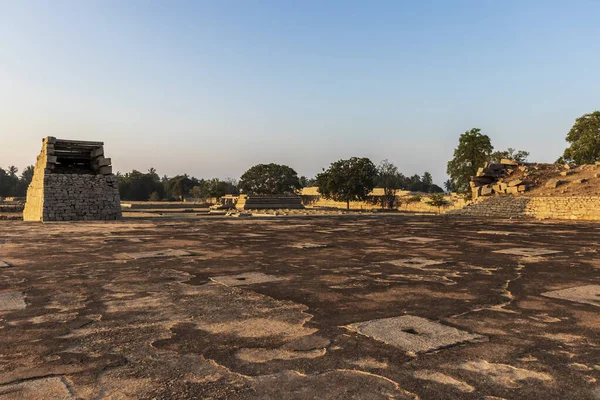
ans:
x=139 y=186
x=14 y=185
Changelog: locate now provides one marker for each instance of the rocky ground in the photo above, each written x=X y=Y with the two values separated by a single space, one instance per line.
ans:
x=330 y=307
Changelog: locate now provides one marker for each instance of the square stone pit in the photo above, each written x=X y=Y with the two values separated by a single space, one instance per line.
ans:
x=526 y=252
x=246 y=278
x=414 y=334
x=588 y=294
x=10 y=301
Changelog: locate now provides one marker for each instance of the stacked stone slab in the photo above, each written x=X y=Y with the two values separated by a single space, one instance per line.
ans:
x=72 y=181
x=257 y=202
x=491 y=179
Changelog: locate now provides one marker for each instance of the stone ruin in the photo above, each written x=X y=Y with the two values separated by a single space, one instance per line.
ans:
x=271 y=202
x=494 y=178
x=72 y=181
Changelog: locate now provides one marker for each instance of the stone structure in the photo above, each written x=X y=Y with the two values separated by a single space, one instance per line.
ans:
x=493 y=178
x=72 y=181
x=256 y=202
x=574 y=207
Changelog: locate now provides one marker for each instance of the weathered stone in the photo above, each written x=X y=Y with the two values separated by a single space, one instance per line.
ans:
x=65 y=187
x=247 y=278
x=554 y=183
x=516 y=182
x=506 y=161
x=414 y=334
x=589 y=294
x=486 y=190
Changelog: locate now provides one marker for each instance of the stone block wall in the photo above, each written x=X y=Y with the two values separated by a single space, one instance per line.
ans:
x=72 y=182
x=576 y=208
x=573 y=208
x=257 y=202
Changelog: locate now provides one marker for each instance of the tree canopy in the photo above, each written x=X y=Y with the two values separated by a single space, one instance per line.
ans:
x=270 y=179
x=584 y=139
x=137 y=186
x=473 y=150
x=510 y=154
x=348 y=180
x=390 y=180
x=13 y=185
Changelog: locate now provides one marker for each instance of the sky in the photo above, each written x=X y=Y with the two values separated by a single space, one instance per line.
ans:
x=210 y=88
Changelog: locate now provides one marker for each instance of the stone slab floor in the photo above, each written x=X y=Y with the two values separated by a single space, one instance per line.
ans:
x=243 y=309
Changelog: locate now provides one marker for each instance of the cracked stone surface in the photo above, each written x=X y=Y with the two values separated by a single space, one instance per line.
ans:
x=247 y=278
x=159 y=253
x=414 y=334
x=589 y=294
x=527 y=252
x=81 y=318
x=416 y=239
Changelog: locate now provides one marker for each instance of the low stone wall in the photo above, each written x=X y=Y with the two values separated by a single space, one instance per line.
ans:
x=574 y=208
x=273 y=202
x=580 y=207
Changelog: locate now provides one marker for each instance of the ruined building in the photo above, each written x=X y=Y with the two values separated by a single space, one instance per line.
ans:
x=72 y=181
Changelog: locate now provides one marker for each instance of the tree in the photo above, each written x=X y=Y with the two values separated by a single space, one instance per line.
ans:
x=427 y=180
x=154 y=196
x=348 y=180
x=449 y=186
x=473 y=150
x=137 y=186
x=12 y=171
x=437 y=200
x=584 y=139
x=270 y=179
x=510 y=154
x=27 y=174
x=214 y=188
x=390 y=180
x=179 y=186
x=307 y=182
x=412 y=199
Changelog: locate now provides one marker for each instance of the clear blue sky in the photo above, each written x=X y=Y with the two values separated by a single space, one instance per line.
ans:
x=213 y=87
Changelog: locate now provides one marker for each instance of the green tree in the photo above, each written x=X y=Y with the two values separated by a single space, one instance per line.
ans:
x=270 y=179
x=449 y=186
x=348 y=180
x=510 y=154
x=437 y=200
x=390 y=180
x=138 y=186
x=417 y=198
x=473 y=150
x=584 y=139
x=179 y=186
x=214 y=188
x=154 y=196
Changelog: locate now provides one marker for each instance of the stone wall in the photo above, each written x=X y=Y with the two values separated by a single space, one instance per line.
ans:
x=257 y=202
x=72 y=181
x=579 y=207
x=574 y=208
